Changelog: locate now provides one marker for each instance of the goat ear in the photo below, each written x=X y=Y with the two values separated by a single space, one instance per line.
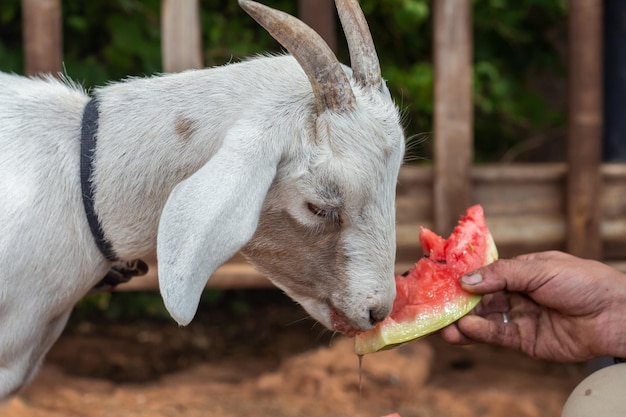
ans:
x=207 y=218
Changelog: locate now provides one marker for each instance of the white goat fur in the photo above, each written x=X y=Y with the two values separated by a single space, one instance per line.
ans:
x=197 y=165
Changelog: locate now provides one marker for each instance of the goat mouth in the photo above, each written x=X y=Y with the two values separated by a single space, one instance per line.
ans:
x=341 y=324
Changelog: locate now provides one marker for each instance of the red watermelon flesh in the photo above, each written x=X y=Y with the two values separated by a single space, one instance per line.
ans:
x=430 y=296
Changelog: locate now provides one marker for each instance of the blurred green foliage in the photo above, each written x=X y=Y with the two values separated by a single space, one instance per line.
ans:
x=114 y=306
x=518 y=56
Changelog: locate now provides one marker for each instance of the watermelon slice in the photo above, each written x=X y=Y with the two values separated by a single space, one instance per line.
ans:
x=429 y=297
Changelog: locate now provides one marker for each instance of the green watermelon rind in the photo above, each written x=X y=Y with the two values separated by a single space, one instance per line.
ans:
x=395 y=334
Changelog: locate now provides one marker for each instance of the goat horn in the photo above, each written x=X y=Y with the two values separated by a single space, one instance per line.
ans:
x=363 y=58
x=330 y=83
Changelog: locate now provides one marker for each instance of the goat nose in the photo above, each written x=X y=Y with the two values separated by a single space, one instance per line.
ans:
x=379 y=313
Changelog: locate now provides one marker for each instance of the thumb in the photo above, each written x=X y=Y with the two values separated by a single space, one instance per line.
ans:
x=507 y=274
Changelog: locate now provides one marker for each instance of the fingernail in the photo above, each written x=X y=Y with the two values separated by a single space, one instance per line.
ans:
x=472 y=279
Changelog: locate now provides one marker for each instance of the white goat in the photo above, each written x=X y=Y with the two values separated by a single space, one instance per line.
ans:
x=292 y=161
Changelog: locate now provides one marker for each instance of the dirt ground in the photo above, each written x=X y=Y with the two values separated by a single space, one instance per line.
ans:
x=273 y=361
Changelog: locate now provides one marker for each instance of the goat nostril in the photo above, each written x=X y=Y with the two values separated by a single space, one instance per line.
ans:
x=377 y=315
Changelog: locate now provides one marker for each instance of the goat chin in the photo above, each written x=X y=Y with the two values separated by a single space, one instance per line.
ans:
x=258 y=155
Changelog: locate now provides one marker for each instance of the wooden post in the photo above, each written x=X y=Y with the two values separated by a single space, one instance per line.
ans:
x=41 y=30
x=453 y=113
x=320 y=15
x=584 y=128
x=614 y=72
x=181 y=42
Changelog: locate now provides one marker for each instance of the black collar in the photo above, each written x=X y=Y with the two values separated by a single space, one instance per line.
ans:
x=123 y=271
x=88 y=136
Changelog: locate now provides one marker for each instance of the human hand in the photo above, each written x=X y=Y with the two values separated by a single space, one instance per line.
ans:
x=549 y=305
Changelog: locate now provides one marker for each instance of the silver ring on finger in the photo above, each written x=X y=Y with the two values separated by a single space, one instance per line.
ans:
x=505 y=318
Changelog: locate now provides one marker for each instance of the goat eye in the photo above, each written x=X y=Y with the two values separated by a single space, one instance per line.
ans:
x=316 y=210
x=331 y=216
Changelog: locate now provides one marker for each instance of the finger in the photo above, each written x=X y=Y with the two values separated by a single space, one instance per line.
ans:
x=491 y=331
x=517 y=275
x=453 y=335
x=552 y=255
x=492 y=303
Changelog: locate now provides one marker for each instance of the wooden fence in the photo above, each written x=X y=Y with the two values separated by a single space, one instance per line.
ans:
x=577 y=206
